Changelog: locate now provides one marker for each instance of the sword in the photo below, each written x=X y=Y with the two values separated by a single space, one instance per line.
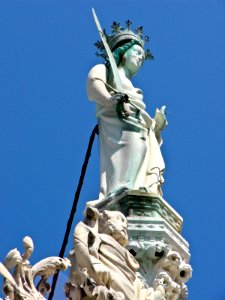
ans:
x=115 y=72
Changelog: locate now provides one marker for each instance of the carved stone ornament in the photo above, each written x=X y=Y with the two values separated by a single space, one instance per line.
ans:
x=102 y=268
x=19 y=274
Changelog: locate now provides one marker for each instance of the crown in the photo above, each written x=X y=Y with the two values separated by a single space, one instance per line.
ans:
x=120 y=36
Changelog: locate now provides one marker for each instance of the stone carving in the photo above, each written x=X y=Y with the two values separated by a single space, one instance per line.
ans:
x=175 y=272
x=131 y=177
x=102 y=268
x=147 y=253
x=158 y=261
x=130 y=140
x=178 y=269
x=20 y=284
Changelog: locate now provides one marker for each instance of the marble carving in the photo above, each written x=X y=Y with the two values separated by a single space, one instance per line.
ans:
x=102 y=268
x=19 y=275
x=130 y=155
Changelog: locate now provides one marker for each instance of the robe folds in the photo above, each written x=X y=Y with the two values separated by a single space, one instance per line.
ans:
x=129 y=148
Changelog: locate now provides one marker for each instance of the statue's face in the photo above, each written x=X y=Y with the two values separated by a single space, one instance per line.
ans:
x=134 y=58
x=119 y=230
x=116 y=226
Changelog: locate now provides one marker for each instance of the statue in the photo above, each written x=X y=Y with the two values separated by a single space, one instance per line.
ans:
x=130 y=140
x=130 y=158
x=102 y=266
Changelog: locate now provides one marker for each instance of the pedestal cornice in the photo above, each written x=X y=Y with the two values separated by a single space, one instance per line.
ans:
x=142 y=204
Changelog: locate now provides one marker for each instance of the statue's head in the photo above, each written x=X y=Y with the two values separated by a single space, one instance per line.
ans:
x=132 y=58
x=121 y=40
x=114 y=224
x=173 y=258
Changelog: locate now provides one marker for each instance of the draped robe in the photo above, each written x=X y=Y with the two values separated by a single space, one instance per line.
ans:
x=129 y=147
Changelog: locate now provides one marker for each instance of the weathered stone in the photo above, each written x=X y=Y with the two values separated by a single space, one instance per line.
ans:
x=154 y=236
x=102 y=267
x=20 y=284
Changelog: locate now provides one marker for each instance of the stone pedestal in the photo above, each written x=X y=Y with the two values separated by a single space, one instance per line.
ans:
x=155 y=240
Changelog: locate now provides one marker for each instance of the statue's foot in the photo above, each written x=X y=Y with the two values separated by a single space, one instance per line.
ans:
x=143 y=189
x=150 y=190
x=118 y=192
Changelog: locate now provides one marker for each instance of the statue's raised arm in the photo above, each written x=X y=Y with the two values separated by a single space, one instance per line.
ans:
x=130 y=140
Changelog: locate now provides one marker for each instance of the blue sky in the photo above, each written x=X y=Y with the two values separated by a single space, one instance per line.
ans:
x=46 y=120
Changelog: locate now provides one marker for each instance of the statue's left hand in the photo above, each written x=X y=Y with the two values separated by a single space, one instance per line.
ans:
x=160 y=118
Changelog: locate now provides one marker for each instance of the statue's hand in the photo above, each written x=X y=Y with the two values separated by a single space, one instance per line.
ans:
x=103 y=272
x=160 y=118
x=123 y=108
x=119 y=98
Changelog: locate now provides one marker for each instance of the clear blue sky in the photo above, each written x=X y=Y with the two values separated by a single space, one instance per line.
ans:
x=45 y=119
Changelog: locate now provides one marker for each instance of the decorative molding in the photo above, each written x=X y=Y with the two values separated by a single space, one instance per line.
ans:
x=143 y=204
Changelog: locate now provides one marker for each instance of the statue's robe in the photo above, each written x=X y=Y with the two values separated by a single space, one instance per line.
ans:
x=129 y=148
x=107 y=262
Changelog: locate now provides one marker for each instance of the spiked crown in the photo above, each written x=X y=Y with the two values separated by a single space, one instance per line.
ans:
x=120 y=36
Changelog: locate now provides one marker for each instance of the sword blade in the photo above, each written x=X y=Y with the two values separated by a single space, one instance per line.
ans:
x=115 y=72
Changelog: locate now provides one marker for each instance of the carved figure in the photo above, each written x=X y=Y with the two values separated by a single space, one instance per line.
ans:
x=130 y=140
x=175 y=273
x=20 y=285
x=103 y=267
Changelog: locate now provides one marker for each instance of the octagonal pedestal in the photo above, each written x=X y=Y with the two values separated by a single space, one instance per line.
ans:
x=155 y=240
